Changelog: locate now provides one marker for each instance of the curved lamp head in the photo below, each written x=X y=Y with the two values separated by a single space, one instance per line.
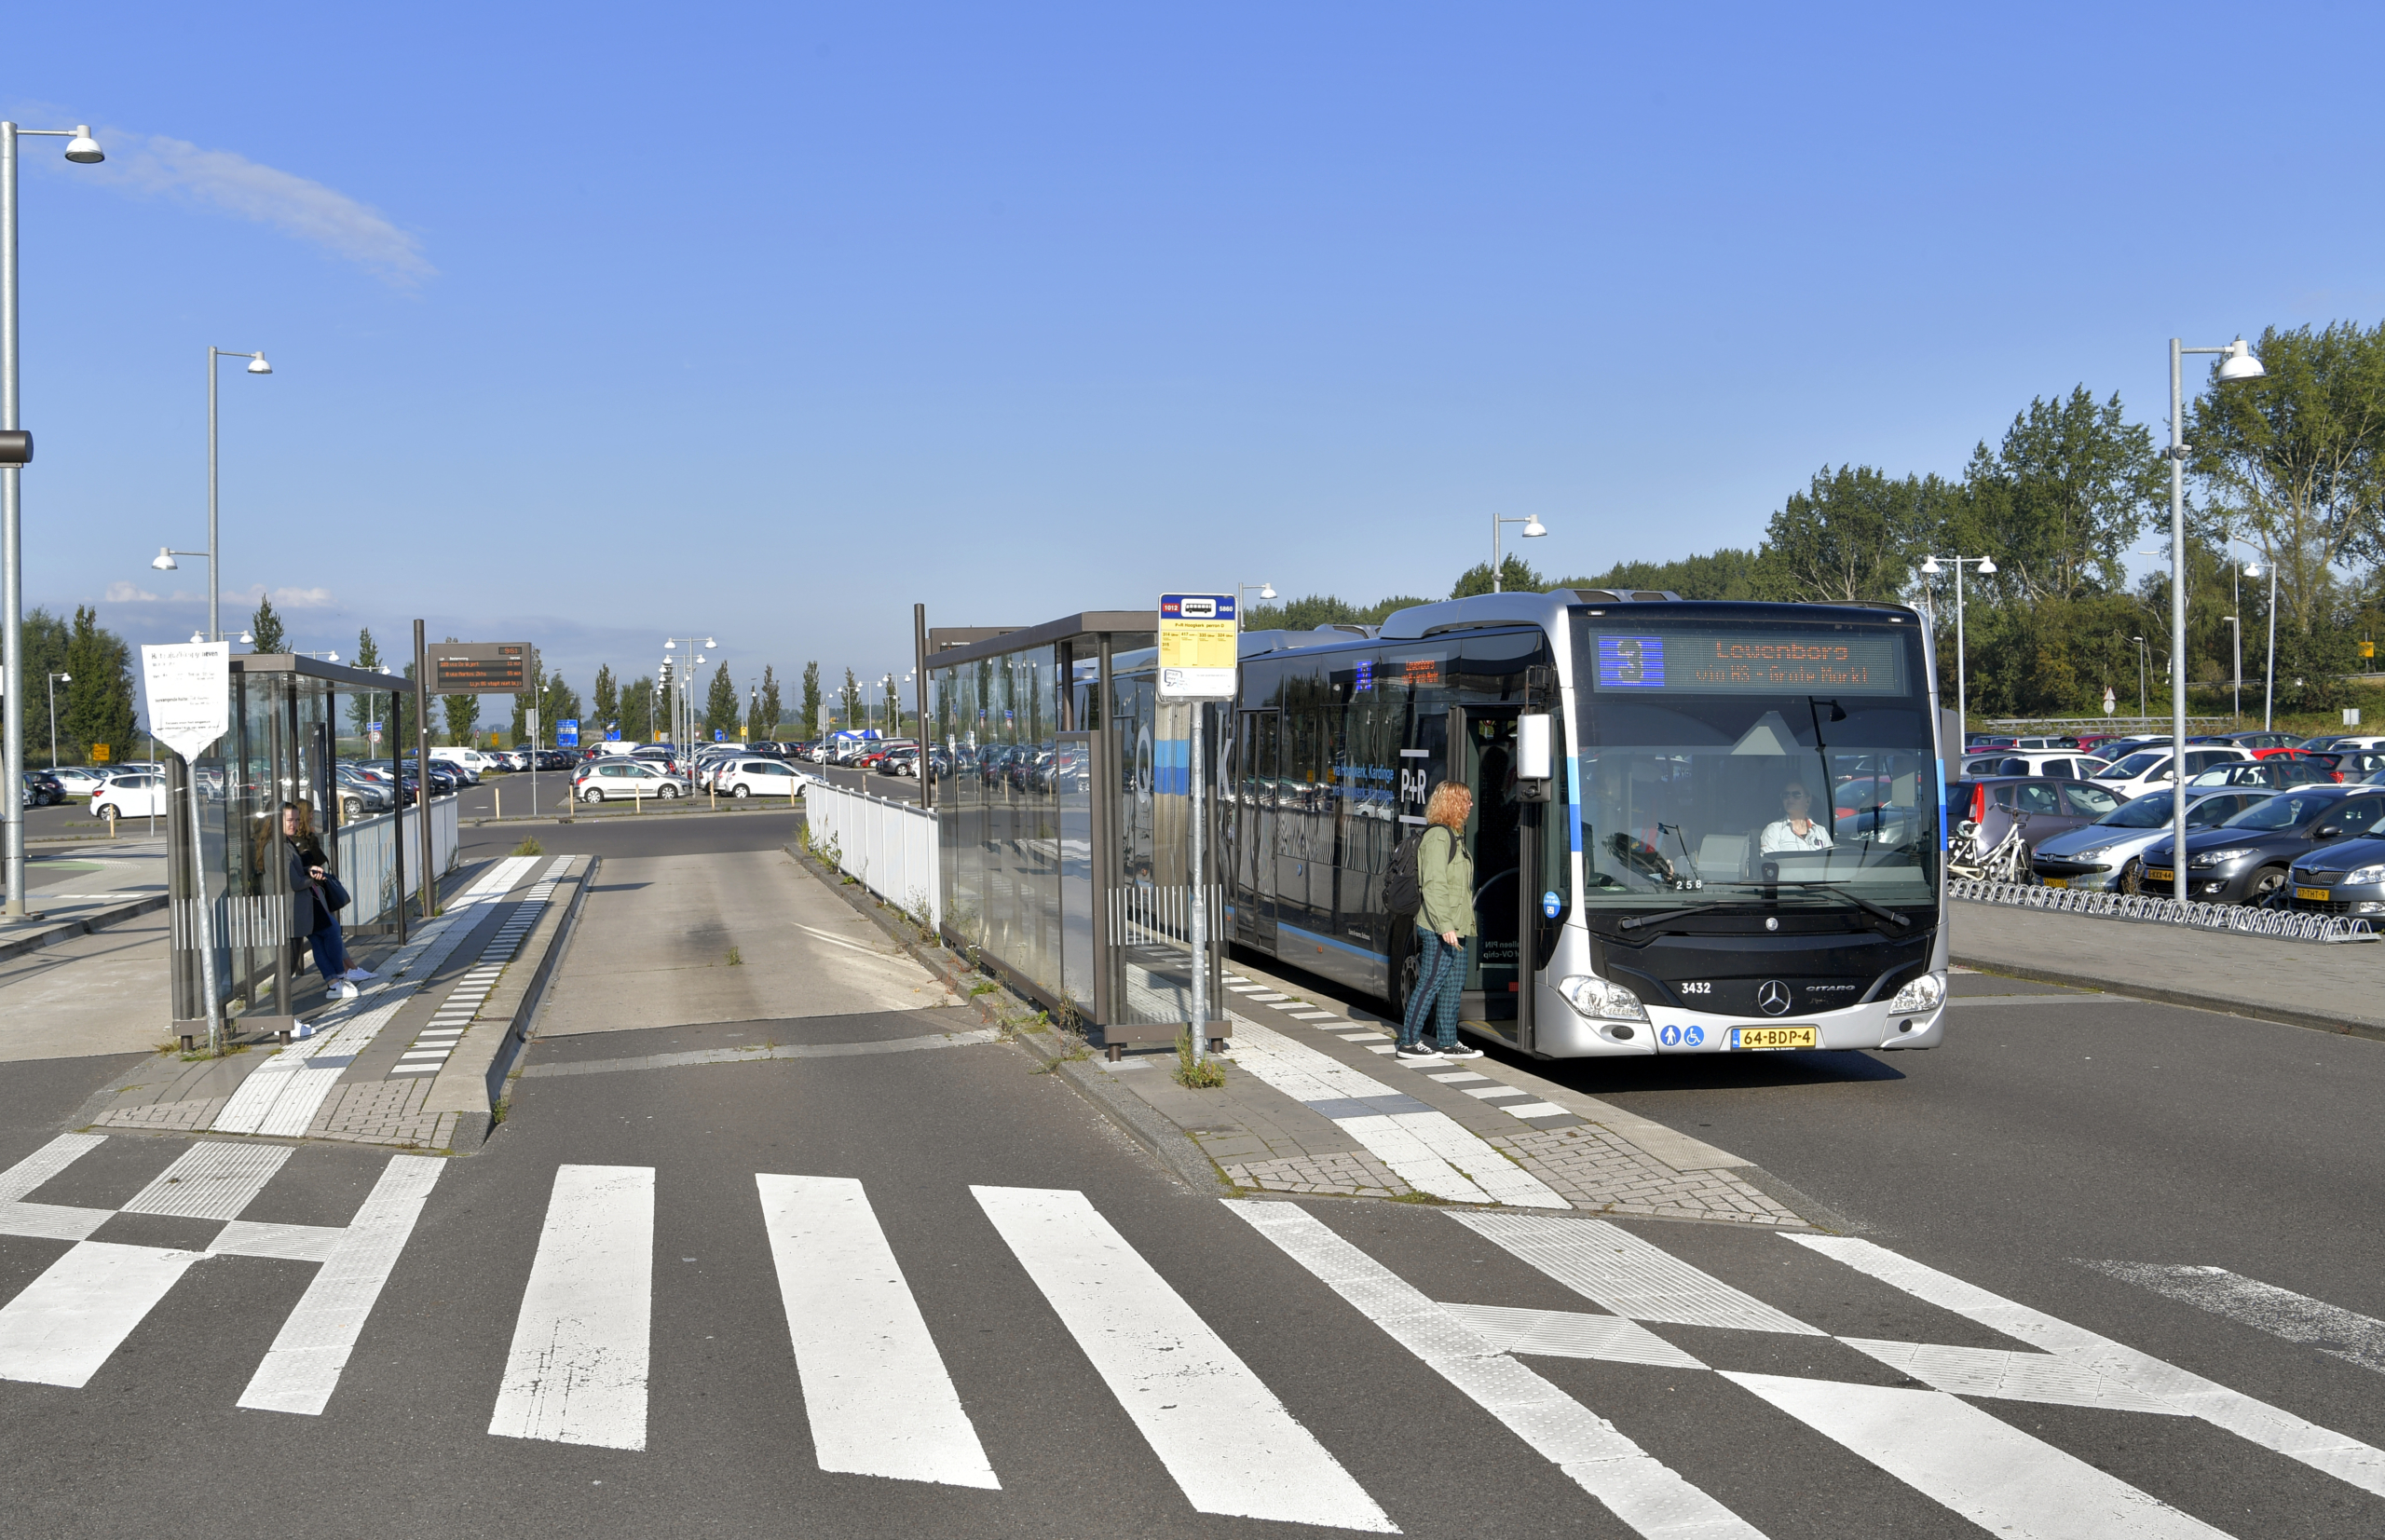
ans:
x=83 y=149
x=1533 y=528
x=2252 y=569
x=330 y=657
x=257 y=365
x=247 y=640
x=2239 y=364
x=68 y=677
x=198 y=636
x=165 y=562
x=1266 y=590
x=709 y=642
x=1930 y=566
x=1987 y=566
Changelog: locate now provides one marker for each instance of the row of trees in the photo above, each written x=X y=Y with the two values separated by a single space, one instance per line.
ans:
x=2287 y=471
x=95 y=703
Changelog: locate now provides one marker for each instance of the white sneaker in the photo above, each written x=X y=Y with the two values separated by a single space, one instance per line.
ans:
x=343 y=990
x=359 y=975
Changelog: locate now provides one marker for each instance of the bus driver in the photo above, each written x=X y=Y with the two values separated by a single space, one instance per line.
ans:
x=1797 y=831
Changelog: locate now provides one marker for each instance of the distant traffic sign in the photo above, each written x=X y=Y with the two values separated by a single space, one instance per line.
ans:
x=568 y=732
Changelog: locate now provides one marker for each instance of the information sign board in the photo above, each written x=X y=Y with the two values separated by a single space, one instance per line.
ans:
x=99 y=753
x=484 y=668
x=1197 y=639
x=567 y=734
x=190 y=693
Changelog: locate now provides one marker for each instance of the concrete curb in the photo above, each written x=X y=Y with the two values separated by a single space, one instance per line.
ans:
x=67 y=929
x=471 y=1083
x=1137 y=1118
x=2284 y=1015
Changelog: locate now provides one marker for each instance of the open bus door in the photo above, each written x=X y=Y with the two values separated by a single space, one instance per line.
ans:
x=1506 y=879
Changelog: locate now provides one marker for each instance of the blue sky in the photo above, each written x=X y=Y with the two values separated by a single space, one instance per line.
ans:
x=598 y=323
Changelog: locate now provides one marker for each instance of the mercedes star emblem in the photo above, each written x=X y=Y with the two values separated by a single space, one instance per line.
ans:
x=1772 y=997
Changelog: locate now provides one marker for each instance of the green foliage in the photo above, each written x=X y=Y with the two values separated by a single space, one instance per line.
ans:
x=95 y=706
x=1516 y=576
x=766 y=716
x=851 y=694
x=1321 y=609
x=1852 y=535
x=1726 y=573
x=721 y=707
x=463 y=714
x=265 y=628
x=1193 y=1071
x=2060 y=500
x=557 y=701
x=808 y=718
x=641 y=713
x=364 y=707
x=608 y=703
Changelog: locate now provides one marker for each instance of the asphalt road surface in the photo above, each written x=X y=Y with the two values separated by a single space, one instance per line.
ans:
x=860 y=1271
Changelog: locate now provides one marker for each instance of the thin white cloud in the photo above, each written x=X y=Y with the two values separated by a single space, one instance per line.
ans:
x=126 y=593
x=234 y=184
x=303 y=598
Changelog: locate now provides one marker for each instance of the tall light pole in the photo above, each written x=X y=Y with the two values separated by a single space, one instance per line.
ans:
x=1266 y=592
x=1533 y=529
x=2238 y=364
x=1930 y=566
x=16 y=451
x=53 y=715
x=2268 y=697
x=257 y=365
x=683 y=707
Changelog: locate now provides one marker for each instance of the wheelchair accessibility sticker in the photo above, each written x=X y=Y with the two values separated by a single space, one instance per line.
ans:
x=1550 y=904
x=1680 y=1037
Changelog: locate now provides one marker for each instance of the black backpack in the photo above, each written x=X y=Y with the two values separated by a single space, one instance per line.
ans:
x=1401 y=892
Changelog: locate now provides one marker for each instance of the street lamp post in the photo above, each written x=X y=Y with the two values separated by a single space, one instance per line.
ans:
x=683 y=706
x=257 y=365
x=1930 y=566
x=2269 y=695
x=2238 y=364
x=1533 y=529
x=2143 y=667
x=16 y=450
x=53 y=715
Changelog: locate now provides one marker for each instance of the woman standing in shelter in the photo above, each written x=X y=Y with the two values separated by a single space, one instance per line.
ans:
x=1444 y=921
x=310 y=879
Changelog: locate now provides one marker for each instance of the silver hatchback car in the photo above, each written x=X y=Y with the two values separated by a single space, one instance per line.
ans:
x=2108 y=855
x=2347 y=878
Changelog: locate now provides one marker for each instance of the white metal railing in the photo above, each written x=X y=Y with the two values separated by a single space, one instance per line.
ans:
x=887 y=847
x=2146 y=908
x=1149 y=914
x=368 y=870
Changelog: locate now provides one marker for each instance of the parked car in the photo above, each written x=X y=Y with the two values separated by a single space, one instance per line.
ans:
x=2245 y=860
x=2108 y=855
x=902 y=761
x=2346 y=877
x=2151 y=768
x=2040 y=806
x=621 y=776
x=47 y=789
x=2275 y=773
x=2067 y=763
x=757 y=775
x=2330 y=763
x=469 y=764
x=2258 y=742
x=133 y=795
x=78 y=779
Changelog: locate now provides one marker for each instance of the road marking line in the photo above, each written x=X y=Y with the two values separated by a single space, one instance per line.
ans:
x=1637 y=1488
x=45 y=1162
x=300 y=1243
x=577 y=1373
x=1533 y=1109
x=302 y=1367
x=2339 y=1333
x=1625 y=1275
x=1982 y=1467
x=1312 y=1016
x=63 y=1324
x=50 y=1222
x=415 y=1069
x=1570 y=1334
x=835 y=940
x=2000 y=1374
x=1232 y=1447
x=1456 y=1077
x=1491 y=1090
x=210 y=1181
x=876 y=1390
x=2345 y=1458
x=759 y=1053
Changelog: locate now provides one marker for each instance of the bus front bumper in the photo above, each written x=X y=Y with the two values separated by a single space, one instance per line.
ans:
x=1559 y=1032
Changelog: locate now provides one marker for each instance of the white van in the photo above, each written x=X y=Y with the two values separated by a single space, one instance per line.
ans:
x=472 y=762
x=614 y=746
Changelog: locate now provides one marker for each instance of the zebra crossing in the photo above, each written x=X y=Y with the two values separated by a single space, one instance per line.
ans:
x=884 y=1397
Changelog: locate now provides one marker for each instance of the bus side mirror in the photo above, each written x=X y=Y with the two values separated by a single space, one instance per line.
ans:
x=1535 y=756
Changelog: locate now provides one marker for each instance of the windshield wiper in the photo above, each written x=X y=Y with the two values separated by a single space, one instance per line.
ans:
x=1638 y=921
x=1903 y=921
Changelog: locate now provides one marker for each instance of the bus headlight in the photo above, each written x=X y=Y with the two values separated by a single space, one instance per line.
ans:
x=1596 y=997
x=1920 y=994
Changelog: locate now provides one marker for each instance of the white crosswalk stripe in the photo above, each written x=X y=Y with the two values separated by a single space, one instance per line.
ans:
x=577 y=1373
x=876 y=1390
x=1230 y=1444
x=2345 y=1335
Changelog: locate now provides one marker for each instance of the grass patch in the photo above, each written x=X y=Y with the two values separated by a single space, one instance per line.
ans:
x=1193 y=1071
x=982 y=986
x=1425 y=1198
x=529 y=846
x=736 y=957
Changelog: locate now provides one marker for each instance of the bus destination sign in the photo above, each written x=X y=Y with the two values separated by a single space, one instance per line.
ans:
x=484 y=668
x=1749 y=662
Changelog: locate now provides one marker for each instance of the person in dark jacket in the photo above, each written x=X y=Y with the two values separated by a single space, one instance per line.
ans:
x=309 y=876
x=1444 y=921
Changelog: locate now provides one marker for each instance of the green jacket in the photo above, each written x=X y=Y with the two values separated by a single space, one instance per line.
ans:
x=1445 y=879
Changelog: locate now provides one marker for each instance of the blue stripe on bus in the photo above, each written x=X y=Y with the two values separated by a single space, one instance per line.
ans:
x=1312 y=937
x=1574 y=796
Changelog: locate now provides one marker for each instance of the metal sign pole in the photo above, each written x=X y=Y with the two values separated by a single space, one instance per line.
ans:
x=422 y=767
x=1200 y=894
x=198 y=908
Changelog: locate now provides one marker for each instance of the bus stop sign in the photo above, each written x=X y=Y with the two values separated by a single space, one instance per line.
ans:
x=1197 y=639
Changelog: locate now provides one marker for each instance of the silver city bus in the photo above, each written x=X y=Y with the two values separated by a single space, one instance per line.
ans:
x=1697 y=827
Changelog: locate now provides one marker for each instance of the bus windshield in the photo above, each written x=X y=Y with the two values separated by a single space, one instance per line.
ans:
x=1773 y=762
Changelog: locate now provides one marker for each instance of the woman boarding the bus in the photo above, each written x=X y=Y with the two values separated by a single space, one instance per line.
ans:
x=1445 y=917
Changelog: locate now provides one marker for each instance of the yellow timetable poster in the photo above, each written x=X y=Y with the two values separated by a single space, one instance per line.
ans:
x=1197 y=638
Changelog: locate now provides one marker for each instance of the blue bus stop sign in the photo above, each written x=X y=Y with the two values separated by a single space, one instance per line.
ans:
x=568 y=732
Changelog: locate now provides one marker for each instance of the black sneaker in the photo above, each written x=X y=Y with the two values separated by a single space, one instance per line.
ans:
x=1415 y=1050
x=1463 y=1050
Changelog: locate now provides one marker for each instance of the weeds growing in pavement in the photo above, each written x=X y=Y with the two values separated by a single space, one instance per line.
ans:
x=529 y=846
x=736 y=957
x=1193 y=1071
x=982 y=986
